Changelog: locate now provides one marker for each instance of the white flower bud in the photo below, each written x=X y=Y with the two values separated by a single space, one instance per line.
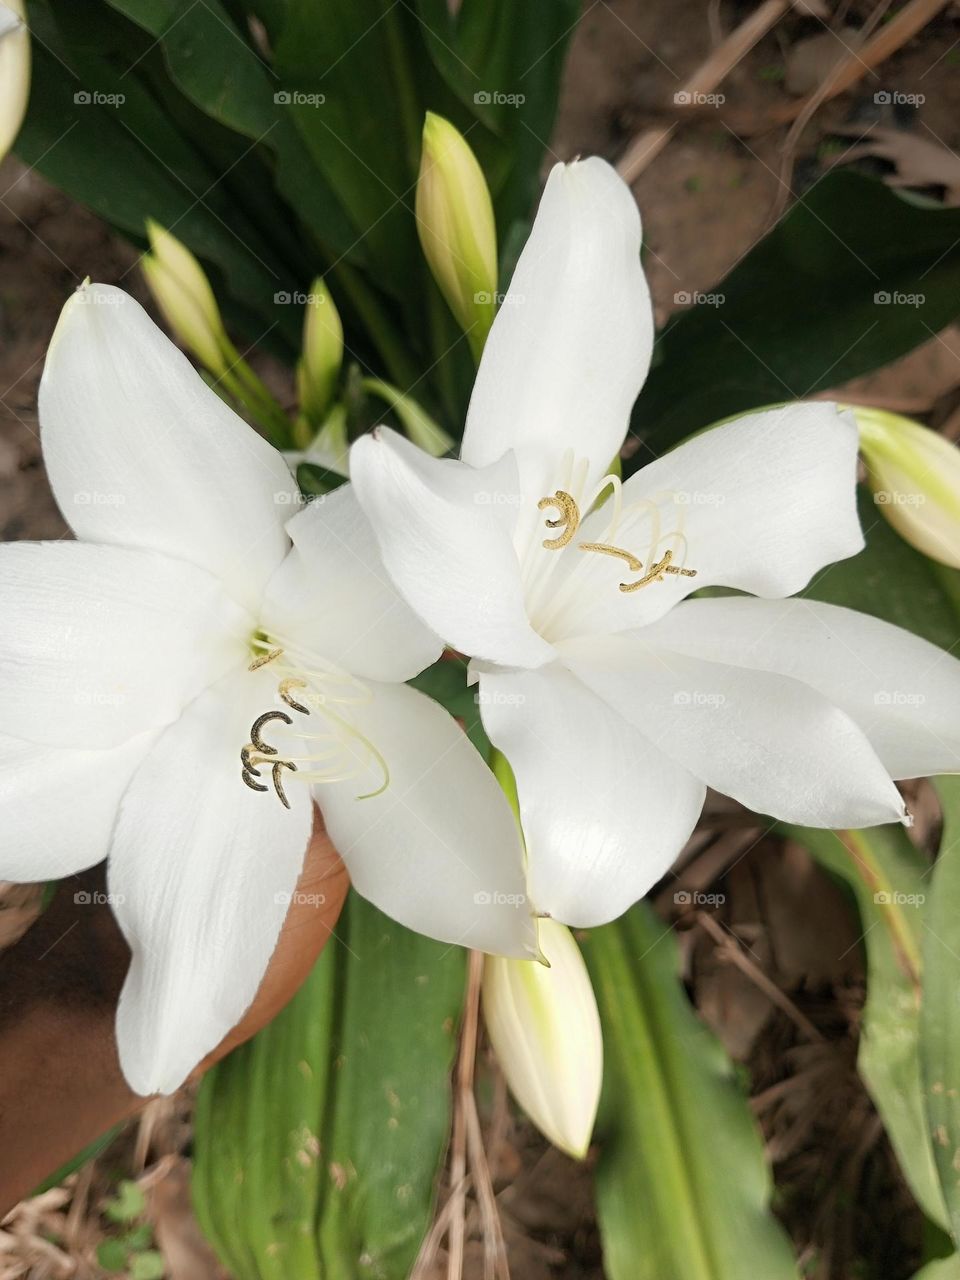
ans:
x=914 y=473
x=14 y=71
x=545 y=1028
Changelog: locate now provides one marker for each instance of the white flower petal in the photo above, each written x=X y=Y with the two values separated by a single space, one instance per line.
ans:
x=445 y=535
x=438 y=849
x=141 y=452
x=333 y=595
x=59 y=805
x=201 y=870
x=902 y=691
x=763 y=503
x=604 y=813
x=770 y=742
x=100 y=643
x=571 y=344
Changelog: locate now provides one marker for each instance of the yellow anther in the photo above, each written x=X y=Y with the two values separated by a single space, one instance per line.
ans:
x=656 y=573
x=291 y=682
x=569 y=518
x=635 y=564
x=263 y=659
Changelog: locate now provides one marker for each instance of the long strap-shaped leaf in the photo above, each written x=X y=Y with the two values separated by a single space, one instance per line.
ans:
x=887 y=876
x=682 y=1188
x=318 y=1144
x=940 y=1014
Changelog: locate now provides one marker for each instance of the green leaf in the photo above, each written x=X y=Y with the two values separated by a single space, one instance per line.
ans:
x=215 y=65
x=318 y=1144
x=127 y=1204
x=89 y=1152
x=140 y=1237
x=939 y=1021
x=83 y=147
x=683 y=1192
x=941 y=1269
x=503 y=61
x=799 y=315
x=892 y=581
x=112 y=1255
x=365 y=59
x=147 y=1266
x=888 y=877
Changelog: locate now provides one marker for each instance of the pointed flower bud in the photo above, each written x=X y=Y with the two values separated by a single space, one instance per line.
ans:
x=14 y=71
x=545 y=1028
x=457 y=229
x=319 y=367
x=914 y=473
x=183 y=293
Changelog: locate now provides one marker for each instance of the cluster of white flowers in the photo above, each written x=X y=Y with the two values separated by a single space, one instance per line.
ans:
x=231 y=647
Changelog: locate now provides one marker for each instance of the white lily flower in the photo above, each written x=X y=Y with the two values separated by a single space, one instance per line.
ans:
x=615 y=702
x=170 y=681
x=14 y=71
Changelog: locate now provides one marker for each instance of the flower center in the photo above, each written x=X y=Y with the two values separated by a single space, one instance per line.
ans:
x=646 y=534
x=332 y=748
x=570 y=522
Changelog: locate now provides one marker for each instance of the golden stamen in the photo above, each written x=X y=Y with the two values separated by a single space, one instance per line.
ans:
x=656 y=573
x=277 y=784
x=258 y=724
x=569 y=518
x=635 y=564
x=291 y=682
x=263 y=659
x=250 y=772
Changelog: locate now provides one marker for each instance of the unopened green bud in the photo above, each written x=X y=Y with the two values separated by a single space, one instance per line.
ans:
x=914 y=473
x=183 y=293
x=457 y=229
x=319 y=367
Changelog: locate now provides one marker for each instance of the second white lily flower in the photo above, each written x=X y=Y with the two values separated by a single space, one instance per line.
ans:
x=616 y=702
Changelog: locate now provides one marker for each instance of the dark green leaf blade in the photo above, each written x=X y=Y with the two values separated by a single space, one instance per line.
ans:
x=799 y=311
